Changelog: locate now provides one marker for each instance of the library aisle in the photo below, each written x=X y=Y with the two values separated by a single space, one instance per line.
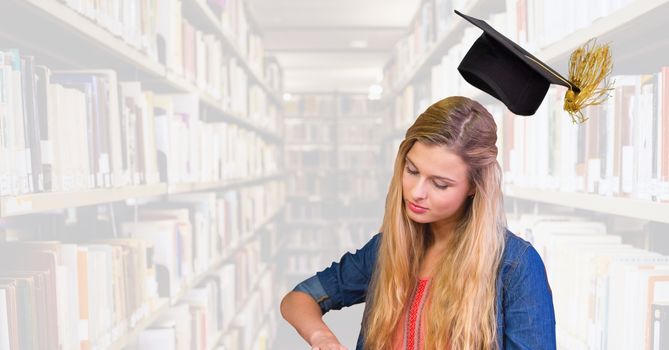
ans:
x=170 y=169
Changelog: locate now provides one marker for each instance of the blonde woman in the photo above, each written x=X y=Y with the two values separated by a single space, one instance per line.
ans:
x=444 y=272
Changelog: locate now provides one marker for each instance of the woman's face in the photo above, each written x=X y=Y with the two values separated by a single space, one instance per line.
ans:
x=434 y=184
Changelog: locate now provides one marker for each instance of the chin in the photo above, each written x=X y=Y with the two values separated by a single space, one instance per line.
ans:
x=422 y=219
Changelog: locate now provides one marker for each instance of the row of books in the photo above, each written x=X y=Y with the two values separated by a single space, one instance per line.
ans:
x=308 y=131
x=355 y=234
x=235 y=23
x=305 y=211
x=273 y=74
x=242 y=306
x=235 y=300
x=72 y=130
x=360 y=185
x=357 y=106
x=311 y=238
x=621 y=150
x=191 y=231
x=261 y=111
x=314 y=184
x=408 y=105
x=440 y=81
x=258 y=305
x=363 y=131
x=100 y=289
x=308 y=158
x=430 y=24
x=344 y=236
x=195 y=151
x=87 y=294
x=604 y=290
x=358 y=132
x=192 y=324
x=134 y=21
x=359 y=157
x=314 y=248
x=162 y=32
x=330 y=106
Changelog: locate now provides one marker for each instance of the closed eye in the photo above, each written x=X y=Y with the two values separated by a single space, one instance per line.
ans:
x=441 y=187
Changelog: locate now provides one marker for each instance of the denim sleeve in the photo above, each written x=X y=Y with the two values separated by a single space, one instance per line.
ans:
x=343 y=283
x=529 y=317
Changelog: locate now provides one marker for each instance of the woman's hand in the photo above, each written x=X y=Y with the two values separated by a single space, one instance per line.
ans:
x=325 y=341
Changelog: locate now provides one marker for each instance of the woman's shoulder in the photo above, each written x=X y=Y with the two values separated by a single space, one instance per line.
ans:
x=520 y=258
x=514 y=247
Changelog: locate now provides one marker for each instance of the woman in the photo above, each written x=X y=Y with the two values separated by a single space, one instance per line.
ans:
x=444 y=273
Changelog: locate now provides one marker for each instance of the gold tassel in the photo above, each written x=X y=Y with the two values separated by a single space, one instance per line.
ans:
x=589 y=65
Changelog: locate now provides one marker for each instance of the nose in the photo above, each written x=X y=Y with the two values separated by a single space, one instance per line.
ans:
x=419 y=191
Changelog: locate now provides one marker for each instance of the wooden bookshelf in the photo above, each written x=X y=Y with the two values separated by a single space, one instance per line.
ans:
x=476 y=8
x=69 y=40
x=256 y=332
x=125 y=340
x=200 y=12
x=164 y=303
x=54 y=14
x=94 y=41
x=219 y=185
x=40 y=202
x=268 y=135
x=629 y=207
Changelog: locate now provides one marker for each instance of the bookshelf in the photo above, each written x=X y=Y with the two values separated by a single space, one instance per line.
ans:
x=241 y=107
x=202 y=14
x=125 y=340
x=589 y=210
x=628 y=207
x=60 y=18
x=93 y=42
x=164 y=304
x=333 y=146
x=433 y=52
x=40 y=202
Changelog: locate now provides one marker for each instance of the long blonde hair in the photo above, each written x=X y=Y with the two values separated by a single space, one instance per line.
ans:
x=462 y=307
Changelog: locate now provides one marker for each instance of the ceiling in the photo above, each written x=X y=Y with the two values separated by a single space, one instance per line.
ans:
x=331 y=45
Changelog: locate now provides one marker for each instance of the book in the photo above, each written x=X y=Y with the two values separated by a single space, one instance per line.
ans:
x=659 y=330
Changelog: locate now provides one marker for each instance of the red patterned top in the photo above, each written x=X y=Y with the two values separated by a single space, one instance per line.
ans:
x=409 y=334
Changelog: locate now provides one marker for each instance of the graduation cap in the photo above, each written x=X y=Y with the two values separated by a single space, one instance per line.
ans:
x=503 y=69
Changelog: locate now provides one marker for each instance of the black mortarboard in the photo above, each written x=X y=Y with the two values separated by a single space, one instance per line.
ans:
x=503 y=69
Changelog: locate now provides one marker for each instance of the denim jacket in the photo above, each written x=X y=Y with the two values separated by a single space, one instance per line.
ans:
x=525 y=315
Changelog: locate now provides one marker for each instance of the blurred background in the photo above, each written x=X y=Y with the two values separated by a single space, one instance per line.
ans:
x=170 y=169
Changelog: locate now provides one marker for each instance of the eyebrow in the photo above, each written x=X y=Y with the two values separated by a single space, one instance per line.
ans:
x=434 y=176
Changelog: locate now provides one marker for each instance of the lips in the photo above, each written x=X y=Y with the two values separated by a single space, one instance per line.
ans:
x=416 y=208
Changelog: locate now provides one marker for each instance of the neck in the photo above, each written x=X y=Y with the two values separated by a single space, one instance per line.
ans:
x=441 y=232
